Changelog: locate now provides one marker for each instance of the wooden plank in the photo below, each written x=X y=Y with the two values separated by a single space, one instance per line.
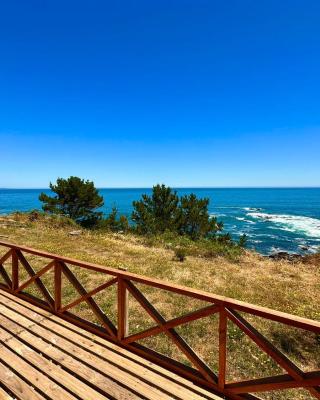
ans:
x=89 y=294
x=16 y=385
x=57 y=285
x=192 y=316
x=5 y=276
x=5 y=256
x=35 y=377
x=222 y=347
x=100 y=385
x=123 y=307
x=157 y=376
x=278 y=382
x=292 y=320
x=57 y=374
x=34 y=277
x=4 y=395
x=79 y=361
x=15 y=270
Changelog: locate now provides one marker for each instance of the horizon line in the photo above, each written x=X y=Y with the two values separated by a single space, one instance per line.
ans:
x=176 y=187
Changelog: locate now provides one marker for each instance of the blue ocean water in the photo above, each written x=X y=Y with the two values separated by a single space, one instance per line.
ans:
x=274 y=219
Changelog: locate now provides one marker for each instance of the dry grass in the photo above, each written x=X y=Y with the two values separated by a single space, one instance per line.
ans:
x=281 y=285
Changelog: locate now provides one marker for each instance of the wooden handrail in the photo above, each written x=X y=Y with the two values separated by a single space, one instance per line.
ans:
x=227 y=308
x=260 y=311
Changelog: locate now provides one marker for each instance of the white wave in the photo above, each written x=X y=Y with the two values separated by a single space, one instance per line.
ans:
x=314 y=249
x=252 y=209
x=292 y=223
x=245 y=220
x=216 y=215
x=264 y=236
x=229 y=207
x=283 y=228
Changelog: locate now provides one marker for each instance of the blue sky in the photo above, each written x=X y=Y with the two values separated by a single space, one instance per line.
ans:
x=132 y=93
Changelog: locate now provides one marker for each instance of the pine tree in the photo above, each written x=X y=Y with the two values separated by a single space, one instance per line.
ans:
x=158 y=212
x=113 y=223
x=75 y=198
x=165 y=211
x=195 y=220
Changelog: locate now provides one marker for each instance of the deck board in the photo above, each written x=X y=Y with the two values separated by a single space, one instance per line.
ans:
x=4 y=395
x=44 y=356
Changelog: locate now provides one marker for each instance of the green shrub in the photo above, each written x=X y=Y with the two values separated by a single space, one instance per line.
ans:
x=114 y=223
x=180 y=253
x=34 y=215
x=243 y=240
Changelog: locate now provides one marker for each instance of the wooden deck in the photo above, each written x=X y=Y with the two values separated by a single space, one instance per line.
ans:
x=45 y=357
x=48 y=351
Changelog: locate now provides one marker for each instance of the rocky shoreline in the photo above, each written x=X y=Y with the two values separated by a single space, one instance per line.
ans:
x=295 y=257
x=283 y=255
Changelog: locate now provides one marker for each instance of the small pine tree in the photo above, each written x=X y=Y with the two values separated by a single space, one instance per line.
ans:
x=111 y=221
x=75 y=198
x=194 y=220
x=243 y=240
x=115 y=224
x=158 y=212
x=123 y=223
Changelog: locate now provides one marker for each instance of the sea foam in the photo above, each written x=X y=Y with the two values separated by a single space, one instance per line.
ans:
x=245 y=220
x=292 y=223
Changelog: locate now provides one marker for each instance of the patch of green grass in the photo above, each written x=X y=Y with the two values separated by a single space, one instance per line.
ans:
x=206 y=248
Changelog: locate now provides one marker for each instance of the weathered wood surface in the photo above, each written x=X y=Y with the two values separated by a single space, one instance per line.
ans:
x=44 y=357
x=77 y=358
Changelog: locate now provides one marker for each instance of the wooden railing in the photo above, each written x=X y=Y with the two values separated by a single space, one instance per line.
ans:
x=199 y=372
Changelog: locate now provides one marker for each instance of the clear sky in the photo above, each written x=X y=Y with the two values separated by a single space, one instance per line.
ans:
x=188 y=93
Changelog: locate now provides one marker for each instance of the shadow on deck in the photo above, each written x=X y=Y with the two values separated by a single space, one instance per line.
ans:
x=45 y=357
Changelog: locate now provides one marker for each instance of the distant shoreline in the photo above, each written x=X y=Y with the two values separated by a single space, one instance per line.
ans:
x=181 y=187
x=274 y=219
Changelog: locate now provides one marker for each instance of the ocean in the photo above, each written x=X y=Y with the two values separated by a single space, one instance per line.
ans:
x=279 y=219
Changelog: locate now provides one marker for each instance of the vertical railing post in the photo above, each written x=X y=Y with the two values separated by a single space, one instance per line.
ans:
x=222 y=347
x=57 y=285
x=122 y=309
x=15 y=270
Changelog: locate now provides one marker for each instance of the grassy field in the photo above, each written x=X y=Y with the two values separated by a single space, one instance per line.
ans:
x=281 y=285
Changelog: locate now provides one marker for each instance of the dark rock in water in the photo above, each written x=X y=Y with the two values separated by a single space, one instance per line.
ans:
x=283 y=255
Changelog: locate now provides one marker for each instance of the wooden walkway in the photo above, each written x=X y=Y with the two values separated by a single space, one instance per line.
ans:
x=47 y=351
x=45 y=357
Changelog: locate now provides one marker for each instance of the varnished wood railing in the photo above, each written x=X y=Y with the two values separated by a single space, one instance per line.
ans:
x=200 y=373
